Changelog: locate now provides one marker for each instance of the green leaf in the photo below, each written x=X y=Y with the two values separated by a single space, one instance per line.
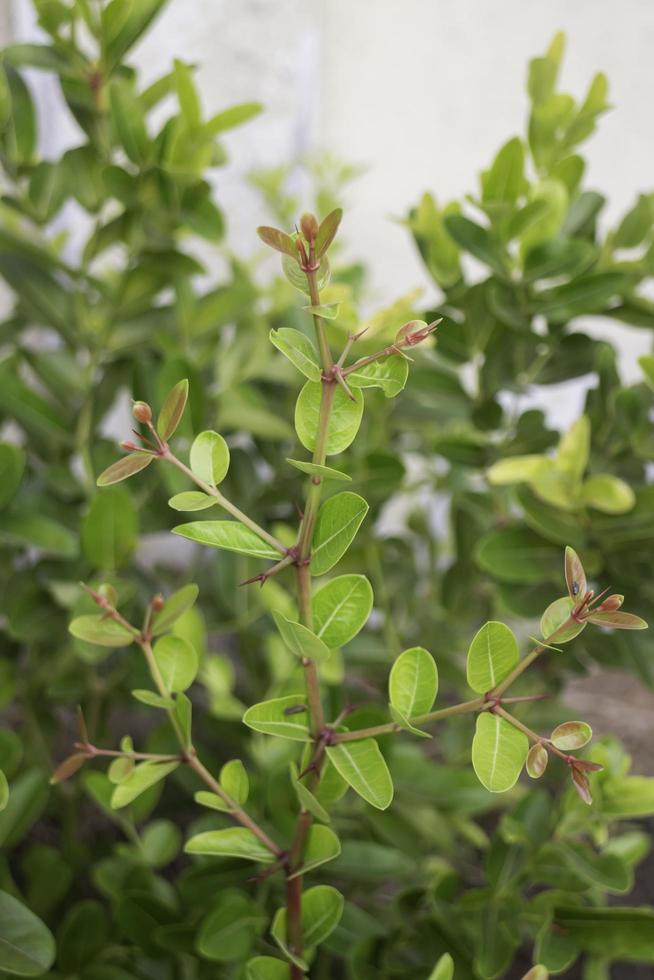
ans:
x=557 y=257
x=174 y=607
x=306 y=798
x=128 y=119
x=299 y=350
x=315 y=469
x=266 y=968
x=236 y=115
x=344 y=421
x=322 y=908
x=616 y=933
x=4 y=791
x=190 y=500
x=122 y=25
x=591 y=293
x=516 y=469
x=390 y=374
x=339 y=519
x=142 y=777
x=96 y=628
x=278 y=717
x=444 y=969
x=229 y=535
x=172 y=410
x=571 y=735
x=124 y=468
x=109 y=530
x=413 y=682
x=12 y=464
x=27 y=947
x=404 y=723
x=211 y=800
x=505 y=182
x=187 y=95
x=153 y=700
x=499 y=752
x=555 y=616
x=478 y=241
x=518 y=555
x=492 y=655
x=177 y=662
x=300 y=640
x=574 y=448
x=210 y=458
x=298 y=278
x=161 y=842
x=227 y=933
x=322 y=845
x=608 y=493
x=37 y=531
x=326 y=312
x=234 y=780
x=362 y=766
x=237 y=842
x=341 y=609
x=636 y=224
x=184 y=716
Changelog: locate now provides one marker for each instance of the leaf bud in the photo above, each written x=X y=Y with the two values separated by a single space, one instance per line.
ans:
x=158 y=603
x=309 y=227
x=142 y=412
x=611 y=604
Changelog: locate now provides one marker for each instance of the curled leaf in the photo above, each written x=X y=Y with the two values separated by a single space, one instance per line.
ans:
x=582 y=786
x=571 y=735
x=537 y=759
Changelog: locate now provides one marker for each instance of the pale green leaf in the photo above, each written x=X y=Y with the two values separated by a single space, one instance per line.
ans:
x=339 y=519
x=322 y=908
x=322 y=845
x=413 y=682
x=229 y=535
x=344 y=420
x=444 y=969
x=341 y=609
x=315 y=469
x=554 y=618
x=279 y=717
x=516 y=469
x=124 y=468
x=363 y=767
x=174 y=606
x=300 y=640
x=177 y=662
x=142 y=777
x=492 y=655
x=499 y=752
x=234 y=780
x=390 y=374
x=96 y=628
x=608 y=494
x=235 y=842
x=299 y=350
x=152 y=699
x=210 y=457
x=191 y=500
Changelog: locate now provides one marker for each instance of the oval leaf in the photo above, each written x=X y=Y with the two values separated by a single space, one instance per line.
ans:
x=174 y=607
x=363 y=767
x=571 y=735
x=96 y=628
x=191 y=500
x=300 y=640
x=341 y=609
x=229 y=535
x=299 y=350
x=492 y=655
x=177 y=662
x=315 y=469
x=142 y=777
x=280 y=717
x=322 y=845
x=554 y=618
x=209 y=457
x=172 y=410
x=537 y=759
x=498 y=752
x=27 y=947
x=575 y=576
x=339 y=519
x=235 y=842
x=124 y=468
x=413 y=682
x=344 y=420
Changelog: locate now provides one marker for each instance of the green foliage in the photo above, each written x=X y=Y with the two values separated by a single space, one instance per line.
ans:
x=472 y=883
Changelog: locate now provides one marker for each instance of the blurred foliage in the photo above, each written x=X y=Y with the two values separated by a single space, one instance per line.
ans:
x=128 y=311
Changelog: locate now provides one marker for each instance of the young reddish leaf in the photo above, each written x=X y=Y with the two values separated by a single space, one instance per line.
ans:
x=611 y=604
x=618 y=620
x=537 y=759
x=575 y=577
x=571 y=735
x=278 y=240
x=327 y=231
x=588 y=766
x=68 y=767
x=172 y=410
x=582 y=786
x=124 y=468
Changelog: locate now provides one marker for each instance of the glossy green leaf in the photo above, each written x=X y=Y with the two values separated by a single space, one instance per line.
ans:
x=344 y=420
x=401 y=719
x=12 y=464
x=322 y=908
x=142 y=777
x=444 y=969
x=27 y=947
x=174 y=606
x=306 y=798
x=341 y=609
x=413 y=682
x=190 y=500
x=315 y=469
x=229 y=535
x=177 y=662
x=172 y=410
x=152 y=699
x=362 y=766
x=280 y=716
x=322 y=845
x=266 y=968
x=390 y=374
x=210 y=457
x=300 y=640
x=499 y=752
x=339 y=519
x=571 y=735
x=236 y=842
x=299 y=350
x=554 y=617
x=96 y=628
x=492 y=655
x=298 y=278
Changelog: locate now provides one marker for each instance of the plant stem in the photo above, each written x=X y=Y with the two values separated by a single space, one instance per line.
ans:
x=529 y=659
x=191 y=757
x=532 y=735
x=225 y=503
x=464 y=707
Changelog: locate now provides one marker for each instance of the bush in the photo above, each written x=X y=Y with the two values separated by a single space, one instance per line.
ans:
x=455 y=878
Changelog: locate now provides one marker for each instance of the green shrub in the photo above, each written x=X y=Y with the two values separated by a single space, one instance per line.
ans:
x=455 y=875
